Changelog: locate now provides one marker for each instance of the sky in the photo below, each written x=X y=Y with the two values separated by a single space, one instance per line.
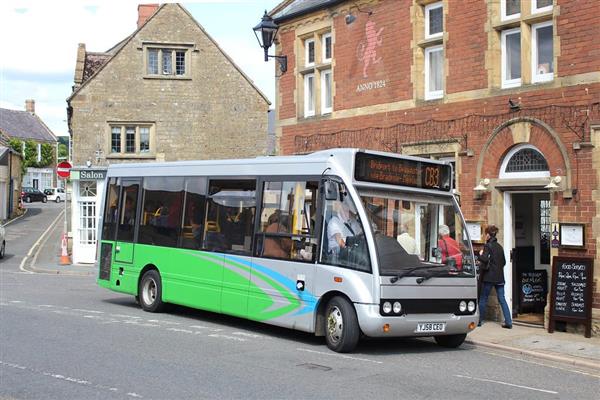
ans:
x=39 y=38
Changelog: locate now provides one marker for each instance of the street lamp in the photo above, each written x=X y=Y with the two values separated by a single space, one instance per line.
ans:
x=265 y=33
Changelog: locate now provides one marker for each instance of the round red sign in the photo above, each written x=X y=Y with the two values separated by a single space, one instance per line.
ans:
x=63 y=169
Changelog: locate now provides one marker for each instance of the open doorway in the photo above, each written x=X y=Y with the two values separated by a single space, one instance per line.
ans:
x=530 y=255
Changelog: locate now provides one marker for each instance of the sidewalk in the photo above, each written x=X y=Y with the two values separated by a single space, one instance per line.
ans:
x=567 y=348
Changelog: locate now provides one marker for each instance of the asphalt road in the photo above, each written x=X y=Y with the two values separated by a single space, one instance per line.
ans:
x=63 y=337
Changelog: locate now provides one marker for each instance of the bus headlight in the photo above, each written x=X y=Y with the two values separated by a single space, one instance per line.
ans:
x=471 y=306
x=462 y=306
x=397 y=307
x=387 y=307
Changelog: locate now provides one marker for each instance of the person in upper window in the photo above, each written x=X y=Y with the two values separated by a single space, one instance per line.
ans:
x=449 y=248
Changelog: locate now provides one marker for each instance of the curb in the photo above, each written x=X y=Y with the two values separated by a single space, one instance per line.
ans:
x=39 y=270
x=16 y=218
x=551 y=357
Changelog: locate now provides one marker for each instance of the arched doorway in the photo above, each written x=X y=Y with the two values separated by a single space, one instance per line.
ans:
x=527 y=231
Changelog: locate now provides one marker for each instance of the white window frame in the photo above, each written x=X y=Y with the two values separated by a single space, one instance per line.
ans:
x=535 y=9
x=428 y=9
x=307 y=43
x=161 y=73
x=324 y=73
x=307 y=111
x=433 y=94
x=508 y=83
x=521 y=175
x=535 y=77
x=503 y=15
x=324 y=47
x=122 y=127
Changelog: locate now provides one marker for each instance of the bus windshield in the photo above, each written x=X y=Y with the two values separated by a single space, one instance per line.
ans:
x=418 y=235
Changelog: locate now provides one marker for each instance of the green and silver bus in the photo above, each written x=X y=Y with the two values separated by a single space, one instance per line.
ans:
x=339 y=243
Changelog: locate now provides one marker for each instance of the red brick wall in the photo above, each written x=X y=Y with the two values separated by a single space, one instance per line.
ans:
x=389 y=61
x=466 y=45
x=287 y=82
x=579 y=33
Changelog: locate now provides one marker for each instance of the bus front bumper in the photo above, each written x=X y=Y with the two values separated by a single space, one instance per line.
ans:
x=373 y=324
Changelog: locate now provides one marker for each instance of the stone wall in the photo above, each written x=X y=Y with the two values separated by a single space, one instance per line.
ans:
x=214 y=112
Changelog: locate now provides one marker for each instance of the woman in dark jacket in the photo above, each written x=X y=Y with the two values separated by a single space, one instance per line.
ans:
x=492 y=263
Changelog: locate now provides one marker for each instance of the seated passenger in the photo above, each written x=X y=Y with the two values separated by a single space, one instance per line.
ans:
x=406 y=241
x=449 y=248
x=275 y=246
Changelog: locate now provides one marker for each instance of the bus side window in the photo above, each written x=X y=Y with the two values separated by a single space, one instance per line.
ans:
x=287 y=221
x=110 y=210
x=193 y=219
x=160 y=224
x=127 y=212
x=231 y=207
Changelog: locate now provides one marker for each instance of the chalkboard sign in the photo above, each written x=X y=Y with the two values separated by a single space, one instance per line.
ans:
x=571 y=296
x=533 y=287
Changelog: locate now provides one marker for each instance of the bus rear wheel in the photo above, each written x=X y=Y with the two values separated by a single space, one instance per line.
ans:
x=342 y=331
x=450 y=341
x=150 y=292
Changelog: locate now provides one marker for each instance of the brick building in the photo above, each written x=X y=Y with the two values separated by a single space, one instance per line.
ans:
x=167 y=92
x=507 y=90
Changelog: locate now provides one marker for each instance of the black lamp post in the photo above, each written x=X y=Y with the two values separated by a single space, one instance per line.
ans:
x=265 y=33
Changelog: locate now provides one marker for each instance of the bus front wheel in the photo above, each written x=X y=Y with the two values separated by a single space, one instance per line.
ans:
x=342 y=331
x=451 y=341
x=150 y=292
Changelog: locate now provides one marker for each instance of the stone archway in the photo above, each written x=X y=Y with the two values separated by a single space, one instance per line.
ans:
x=523 y=130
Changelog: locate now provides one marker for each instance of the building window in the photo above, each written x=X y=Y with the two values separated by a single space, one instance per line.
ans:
x=542 y=56
x=434 y=72
x=309 y=95
x=88 y=188
x=115 y=139
x=326 y=103
x=538 y=6
x=131 y=140
x=87 y=222
x=309 y=56
x=316 y=78
x=434 y=20
x=152 y=62
x=144 y=139
x=510 y=9
x=326 y=46
x=160 y=62
x=511 y=58
x=524 y=161
x=545 y=232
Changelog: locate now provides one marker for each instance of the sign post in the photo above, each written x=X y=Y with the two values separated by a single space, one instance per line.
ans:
x=63 y=170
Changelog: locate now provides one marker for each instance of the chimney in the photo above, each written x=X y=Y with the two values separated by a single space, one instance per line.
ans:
x=30 y=106
x=145 y=11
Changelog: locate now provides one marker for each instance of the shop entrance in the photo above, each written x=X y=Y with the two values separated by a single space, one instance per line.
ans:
x=530 y=255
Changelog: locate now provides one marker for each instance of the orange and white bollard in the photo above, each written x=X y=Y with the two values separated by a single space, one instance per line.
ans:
x=64 y=256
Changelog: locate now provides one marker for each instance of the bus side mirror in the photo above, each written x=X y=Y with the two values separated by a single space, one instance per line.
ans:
x=331 y=190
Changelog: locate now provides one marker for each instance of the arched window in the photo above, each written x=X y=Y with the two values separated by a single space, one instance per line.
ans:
x=524 y=161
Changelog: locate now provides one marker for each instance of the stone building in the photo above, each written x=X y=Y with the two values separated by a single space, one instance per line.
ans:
x=167 y=92
x=10 y=179
x=508 y=91
x=36 y=140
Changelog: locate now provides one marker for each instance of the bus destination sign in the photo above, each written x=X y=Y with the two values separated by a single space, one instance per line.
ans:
x=402 y=172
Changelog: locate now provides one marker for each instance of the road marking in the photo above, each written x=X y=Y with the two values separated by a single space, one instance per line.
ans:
x=340 y=356
x=22 y=265
x=507 y=384
x=69 y=379
x=539 y=363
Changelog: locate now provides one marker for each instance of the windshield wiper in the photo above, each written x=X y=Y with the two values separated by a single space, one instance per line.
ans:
x=406 y=272
x=421 y=279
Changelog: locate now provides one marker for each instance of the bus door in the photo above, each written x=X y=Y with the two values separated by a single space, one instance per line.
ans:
x=283 y=267
x=127 y=217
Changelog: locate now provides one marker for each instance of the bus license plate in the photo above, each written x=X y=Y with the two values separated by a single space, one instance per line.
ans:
x=431 y=327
